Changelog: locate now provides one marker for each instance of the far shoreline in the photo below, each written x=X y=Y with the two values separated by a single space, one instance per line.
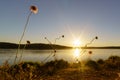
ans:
x=43 y=46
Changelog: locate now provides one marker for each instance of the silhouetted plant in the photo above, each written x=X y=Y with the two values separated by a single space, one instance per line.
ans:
x=53 y=47
x=86 y=45
x=58 y=38
x=90 y=52
x=91 y=41
x=34 y=10
x=27 y=43
x=50 y=43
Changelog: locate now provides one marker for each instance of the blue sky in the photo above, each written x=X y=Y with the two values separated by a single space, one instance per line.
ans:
x=76 y=19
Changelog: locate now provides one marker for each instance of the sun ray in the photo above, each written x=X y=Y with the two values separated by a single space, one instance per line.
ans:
x=77 y=43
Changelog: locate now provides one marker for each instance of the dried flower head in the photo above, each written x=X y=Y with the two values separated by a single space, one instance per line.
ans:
x=28 y=42
x=55 y=51
x=63 y=36
x=90 y=52
x=45 y=37
x=34 y=9
x=96 y=37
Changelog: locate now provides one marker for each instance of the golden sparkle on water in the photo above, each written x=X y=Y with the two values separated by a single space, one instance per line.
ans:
x=76 y=53
x=76 y=46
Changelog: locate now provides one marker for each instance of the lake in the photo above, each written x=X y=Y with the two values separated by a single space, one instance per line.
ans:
x=70 y=55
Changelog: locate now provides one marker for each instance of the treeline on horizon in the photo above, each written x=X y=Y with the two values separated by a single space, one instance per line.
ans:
x=7 y=45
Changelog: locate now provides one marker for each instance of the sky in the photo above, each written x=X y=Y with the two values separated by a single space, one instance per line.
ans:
x=75 y=19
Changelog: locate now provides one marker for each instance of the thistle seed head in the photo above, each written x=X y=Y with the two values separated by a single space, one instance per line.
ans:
x=28 y=42
x=96 y=37
x=34 y=9
x=63 y=36
x=90 y=52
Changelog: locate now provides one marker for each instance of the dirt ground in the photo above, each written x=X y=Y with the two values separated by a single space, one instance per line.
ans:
x=76 y=74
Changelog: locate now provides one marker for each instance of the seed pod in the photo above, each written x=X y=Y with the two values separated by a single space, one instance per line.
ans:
x=96 y=37
x=90 y=52
x=34 y=9
x=28 y=42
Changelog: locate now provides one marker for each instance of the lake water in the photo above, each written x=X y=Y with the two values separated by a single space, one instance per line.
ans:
x=70 y=55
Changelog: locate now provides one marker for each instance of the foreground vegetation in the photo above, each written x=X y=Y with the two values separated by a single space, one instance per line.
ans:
x=62 y=70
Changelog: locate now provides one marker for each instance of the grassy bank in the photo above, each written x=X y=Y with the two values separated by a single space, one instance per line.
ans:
x=62 y=70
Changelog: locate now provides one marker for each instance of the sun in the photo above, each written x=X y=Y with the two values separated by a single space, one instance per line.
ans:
x=76 y=43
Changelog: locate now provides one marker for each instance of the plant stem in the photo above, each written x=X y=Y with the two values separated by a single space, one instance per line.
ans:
x=22 y=36
x=22 y=53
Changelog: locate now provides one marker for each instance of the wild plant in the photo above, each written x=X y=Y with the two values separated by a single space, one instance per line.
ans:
x=27 y=43
x=91 y=63
x=33 y=9
x=95 y=38
x=83 y=50
x=90 y=52
x=52 y=66
x=53 y=47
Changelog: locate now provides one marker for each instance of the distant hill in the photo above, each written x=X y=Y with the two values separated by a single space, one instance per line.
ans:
x=105 y=47
x=7 y=45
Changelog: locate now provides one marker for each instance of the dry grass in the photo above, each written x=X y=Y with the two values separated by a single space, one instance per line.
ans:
x=62 y=70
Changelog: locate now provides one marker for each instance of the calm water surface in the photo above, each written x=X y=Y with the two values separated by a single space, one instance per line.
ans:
x=70 y=55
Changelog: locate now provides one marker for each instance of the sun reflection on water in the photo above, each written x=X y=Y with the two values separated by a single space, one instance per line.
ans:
x=76 y=54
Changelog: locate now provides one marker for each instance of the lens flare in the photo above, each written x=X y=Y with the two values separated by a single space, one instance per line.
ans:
x=76 y=43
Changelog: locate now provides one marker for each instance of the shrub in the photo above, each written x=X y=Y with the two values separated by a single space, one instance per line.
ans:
x=92 y=65
x=112 y=63
x=100 y=61
x=53 y=66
